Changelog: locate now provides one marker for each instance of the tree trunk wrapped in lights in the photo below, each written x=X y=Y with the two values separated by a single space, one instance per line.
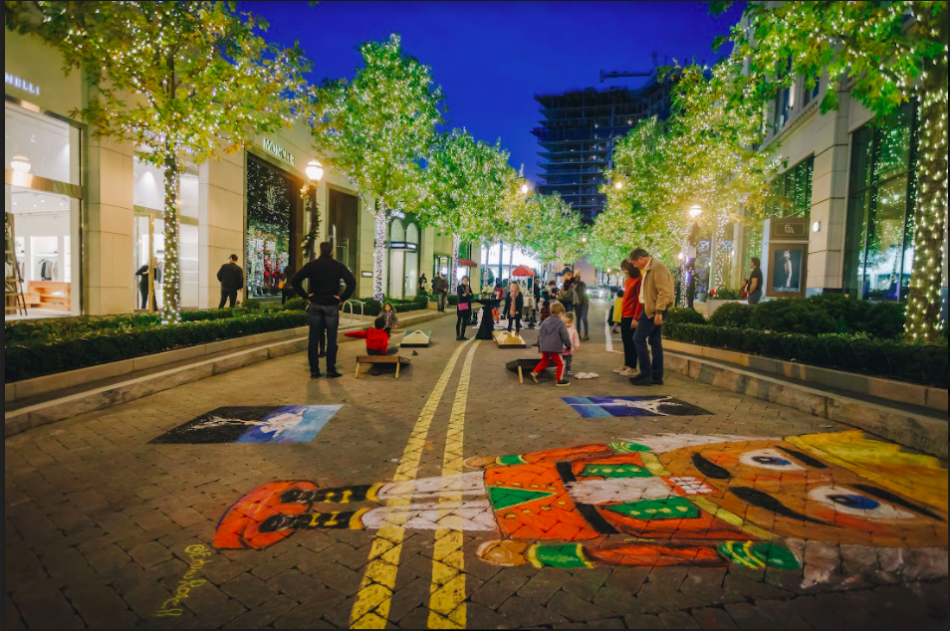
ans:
x=201 y=78
x=376 y=128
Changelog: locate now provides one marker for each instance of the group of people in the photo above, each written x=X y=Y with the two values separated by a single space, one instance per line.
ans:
x=648 y=295
x=440 y=289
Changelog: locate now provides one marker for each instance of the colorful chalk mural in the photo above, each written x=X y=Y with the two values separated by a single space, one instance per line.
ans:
x=284 y=424
x=666 y=500
x=622 y=407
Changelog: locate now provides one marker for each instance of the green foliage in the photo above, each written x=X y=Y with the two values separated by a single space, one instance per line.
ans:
x=727 y=294
x=29 y=358
x=683 y=316
x=879 y=320
x=734 y=315
x=792 y=316
x=295 y=304
x=925 y=364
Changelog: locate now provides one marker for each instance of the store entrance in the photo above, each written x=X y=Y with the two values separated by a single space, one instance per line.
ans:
x=343 y=227
x=274 y=224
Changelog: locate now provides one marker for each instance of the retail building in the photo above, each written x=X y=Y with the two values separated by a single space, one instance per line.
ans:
x=86 y=213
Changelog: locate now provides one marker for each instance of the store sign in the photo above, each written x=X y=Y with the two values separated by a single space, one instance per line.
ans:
x=280 y=152
x=21 y=84
x=790 y=229
x=402 y=245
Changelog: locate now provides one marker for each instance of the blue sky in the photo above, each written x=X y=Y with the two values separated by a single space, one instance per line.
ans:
x=491 y=58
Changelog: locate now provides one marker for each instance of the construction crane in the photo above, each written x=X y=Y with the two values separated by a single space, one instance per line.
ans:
x=616 y=74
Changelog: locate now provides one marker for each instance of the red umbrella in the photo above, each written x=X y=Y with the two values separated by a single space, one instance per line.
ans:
x=523 y=271
x=467 y=263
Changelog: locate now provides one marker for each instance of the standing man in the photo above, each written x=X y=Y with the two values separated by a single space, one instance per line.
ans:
x=231 y=277
x=325 y=276
x=443 y=292
x=656 y=297
x=755 y=282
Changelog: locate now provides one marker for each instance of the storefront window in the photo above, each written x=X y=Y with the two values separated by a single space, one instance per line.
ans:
x=272 y=202
x=403 y=259
x=880 y=254
x=43 y=209
x=149 y=232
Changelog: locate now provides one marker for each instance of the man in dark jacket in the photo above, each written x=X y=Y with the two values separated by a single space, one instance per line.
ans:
x=324 y=277
x=231 y=277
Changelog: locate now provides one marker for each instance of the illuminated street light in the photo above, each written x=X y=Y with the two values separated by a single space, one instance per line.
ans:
x=695 y=212
x=525 y=189
x=314 y=171
x=618 y=185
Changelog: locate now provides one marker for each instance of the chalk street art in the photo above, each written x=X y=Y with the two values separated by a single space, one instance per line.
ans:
x=286 y=424
x=198 y=556
x=667 y=500
x=620 y=407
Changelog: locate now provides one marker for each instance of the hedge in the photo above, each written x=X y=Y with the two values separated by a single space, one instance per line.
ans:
x=884 y=358
x=45 y=356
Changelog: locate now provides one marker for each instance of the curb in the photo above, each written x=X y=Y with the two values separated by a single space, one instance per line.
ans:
x=104 y=397
x=917 y=431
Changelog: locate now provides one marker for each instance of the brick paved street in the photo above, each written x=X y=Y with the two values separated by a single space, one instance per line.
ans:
x=739 y=518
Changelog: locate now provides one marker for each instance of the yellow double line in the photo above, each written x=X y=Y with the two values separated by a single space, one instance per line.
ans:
x=371 y=609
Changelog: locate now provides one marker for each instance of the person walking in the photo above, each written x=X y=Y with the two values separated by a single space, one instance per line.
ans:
x=756 y=282
x=656 y=297
x=553 y=340
x=566 y=295
x=630 y=309
x=514 y=307
x=423 y=287
x=581 y=308
x=231 y=277
x=440 y=287
x=324 y=277
x=466 y=296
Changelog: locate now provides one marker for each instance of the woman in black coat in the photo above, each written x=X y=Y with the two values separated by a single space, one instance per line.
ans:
x=514 y=307
x=466 y=296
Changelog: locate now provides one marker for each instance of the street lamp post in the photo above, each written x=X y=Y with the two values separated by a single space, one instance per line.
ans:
x=308 y=194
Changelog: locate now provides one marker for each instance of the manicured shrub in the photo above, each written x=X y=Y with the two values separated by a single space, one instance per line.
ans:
x=44 y=356
x=732 y=314
x=880 y=320
x=684 y=316
x=792 y=316
x=854 y=353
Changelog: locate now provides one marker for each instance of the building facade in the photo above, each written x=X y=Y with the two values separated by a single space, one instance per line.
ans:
x=578 y=133
x=86 y=213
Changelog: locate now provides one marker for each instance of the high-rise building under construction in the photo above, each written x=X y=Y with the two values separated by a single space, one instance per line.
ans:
x=578 y=133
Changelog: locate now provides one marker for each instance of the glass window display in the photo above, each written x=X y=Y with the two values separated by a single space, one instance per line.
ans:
x=272 y=200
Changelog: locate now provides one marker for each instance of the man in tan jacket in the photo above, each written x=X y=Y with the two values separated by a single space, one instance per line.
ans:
x=656 y=296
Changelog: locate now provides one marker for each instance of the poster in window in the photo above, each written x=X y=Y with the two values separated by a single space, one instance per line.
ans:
x=787 y=271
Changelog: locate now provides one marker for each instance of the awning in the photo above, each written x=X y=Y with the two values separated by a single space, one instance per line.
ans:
x=467 y=263
x=523 y=271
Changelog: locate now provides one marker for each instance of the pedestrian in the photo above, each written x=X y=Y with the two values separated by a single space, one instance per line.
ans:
x=443 y=293
x=756 y=282
x=465 y=295
x=286 y=288
x=377 y=338
x=656 y=297
x=143 y=273
x=499 y=296
x=389 y=315
x=566 y=295
x=231 y=277
x=324 y=277
x=531 y=308
x=552 y=340
x=423 y=287
x=552 y=290
x=630 y=309
x=568 y=354
x=581 y=307
x=514 y=307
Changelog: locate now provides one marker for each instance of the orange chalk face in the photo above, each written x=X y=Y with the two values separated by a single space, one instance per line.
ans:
x=795 y=493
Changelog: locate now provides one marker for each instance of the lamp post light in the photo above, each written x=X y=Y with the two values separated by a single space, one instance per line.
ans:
x=695 y=212
x=618 y=185
x=314 y=171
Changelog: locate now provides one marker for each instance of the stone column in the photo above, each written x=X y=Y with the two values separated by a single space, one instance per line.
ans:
x=221 y=212
x=108 y=264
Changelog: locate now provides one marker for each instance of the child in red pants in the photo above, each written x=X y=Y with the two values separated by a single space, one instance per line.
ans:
x=553 y=339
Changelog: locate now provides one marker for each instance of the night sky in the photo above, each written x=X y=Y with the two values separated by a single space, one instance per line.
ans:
x=491 y=58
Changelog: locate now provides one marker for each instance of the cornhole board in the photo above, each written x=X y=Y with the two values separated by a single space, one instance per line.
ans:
x=504 y=339
x=381 y=360
x=416 y=339
x=524 y=367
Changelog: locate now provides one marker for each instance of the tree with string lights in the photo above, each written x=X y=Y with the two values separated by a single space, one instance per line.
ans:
x=178 y=80
x=887 y=54
x=466 y=185
x=554 y=231
x=377 y=128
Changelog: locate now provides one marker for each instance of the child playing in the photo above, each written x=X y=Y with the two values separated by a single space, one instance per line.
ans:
x=569 y=352
x=377 y=339
x=553 y=338
x=389 y=314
